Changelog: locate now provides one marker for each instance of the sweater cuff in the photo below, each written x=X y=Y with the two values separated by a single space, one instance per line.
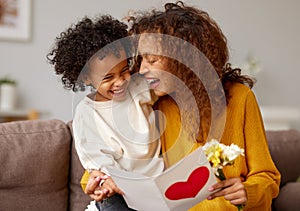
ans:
x=251 y=192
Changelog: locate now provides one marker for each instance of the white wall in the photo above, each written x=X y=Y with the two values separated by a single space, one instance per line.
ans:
x=270 y=30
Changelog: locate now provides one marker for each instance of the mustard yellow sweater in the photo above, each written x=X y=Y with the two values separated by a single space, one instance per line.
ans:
x=244 y=127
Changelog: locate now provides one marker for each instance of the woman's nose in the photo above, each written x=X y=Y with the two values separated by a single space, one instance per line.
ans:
x=143 y=68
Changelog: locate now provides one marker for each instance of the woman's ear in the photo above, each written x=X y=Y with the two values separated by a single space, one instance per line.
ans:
x=85 y=79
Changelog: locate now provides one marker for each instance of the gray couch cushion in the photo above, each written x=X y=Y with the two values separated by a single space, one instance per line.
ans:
x=284 y=147
x=289 y=198
x=78 y=199
x=34 y=158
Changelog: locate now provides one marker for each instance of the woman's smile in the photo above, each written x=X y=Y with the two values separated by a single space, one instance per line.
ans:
x=153 y=82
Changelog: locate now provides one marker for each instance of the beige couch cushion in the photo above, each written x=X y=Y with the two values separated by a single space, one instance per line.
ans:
x=34 y=158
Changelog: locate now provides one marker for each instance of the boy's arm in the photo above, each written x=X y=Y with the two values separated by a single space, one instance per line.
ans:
x=92 y=150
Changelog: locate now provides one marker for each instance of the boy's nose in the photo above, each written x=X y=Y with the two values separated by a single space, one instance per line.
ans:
x=119 y=81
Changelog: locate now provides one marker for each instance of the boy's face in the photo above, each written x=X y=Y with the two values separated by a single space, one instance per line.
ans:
x=110 y=76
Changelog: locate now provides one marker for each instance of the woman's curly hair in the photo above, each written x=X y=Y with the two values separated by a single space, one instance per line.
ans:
x=75 y=46
x=197 y=28
x=2 y=9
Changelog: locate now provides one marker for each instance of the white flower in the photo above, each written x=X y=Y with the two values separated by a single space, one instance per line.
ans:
x=92 y=206
x=210 y=144
x=230 y=153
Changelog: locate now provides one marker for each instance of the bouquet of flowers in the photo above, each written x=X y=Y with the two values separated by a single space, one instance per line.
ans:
x=220 y=155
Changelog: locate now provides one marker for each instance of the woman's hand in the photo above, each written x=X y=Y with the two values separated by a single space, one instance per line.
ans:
x=232 y=189
x=101 y=186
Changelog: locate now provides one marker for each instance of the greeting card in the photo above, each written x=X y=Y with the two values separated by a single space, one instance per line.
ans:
x=180 y=187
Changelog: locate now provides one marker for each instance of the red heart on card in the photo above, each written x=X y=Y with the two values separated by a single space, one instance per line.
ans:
x=190 y=188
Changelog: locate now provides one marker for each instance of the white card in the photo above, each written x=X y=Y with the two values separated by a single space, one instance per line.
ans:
x=180 y=187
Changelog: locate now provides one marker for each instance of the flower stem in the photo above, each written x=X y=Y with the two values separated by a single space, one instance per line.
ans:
x=240 y=207
x=221 y=175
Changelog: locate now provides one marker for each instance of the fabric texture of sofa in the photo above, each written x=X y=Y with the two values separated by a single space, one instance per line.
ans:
x=40 y=169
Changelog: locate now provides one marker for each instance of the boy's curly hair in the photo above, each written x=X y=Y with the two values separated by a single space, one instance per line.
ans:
x=75 y=46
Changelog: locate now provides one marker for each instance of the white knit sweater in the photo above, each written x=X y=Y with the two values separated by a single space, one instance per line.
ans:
x=120 y=134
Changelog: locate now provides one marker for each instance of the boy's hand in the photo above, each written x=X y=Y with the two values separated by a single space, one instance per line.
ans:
x=101 y=186
x=108 y=188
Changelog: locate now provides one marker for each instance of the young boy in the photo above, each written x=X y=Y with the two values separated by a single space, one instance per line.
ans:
x=113 y=126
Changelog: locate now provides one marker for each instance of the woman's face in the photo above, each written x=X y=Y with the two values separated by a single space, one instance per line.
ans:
x=155 y=68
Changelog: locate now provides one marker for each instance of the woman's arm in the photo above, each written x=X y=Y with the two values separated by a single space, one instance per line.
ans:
x=253 y=180
x=263 y=179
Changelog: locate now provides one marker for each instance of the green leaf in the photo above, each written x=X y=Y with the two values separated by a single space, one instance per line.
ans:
x=7 y=80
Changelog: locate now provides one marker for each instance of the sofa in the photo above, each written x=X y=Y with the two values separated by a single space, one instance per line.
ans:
x=40 y=169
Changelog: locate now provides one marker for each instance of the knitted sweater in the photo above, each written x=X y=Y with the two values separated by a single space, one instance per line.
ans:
x=244 y=127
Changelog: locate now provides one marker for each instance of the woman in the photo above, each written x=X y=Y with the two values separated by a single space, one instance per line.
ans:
x=250 y=182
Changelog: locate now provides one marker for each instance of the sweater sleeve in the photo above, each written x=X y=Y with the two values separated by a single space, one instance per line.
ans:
x=92 y=150
x=84 y=179
x=262 y=182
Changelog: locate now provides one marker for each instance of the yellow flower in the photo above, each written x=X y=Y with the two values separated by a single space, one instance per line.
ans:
x=215 y=156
